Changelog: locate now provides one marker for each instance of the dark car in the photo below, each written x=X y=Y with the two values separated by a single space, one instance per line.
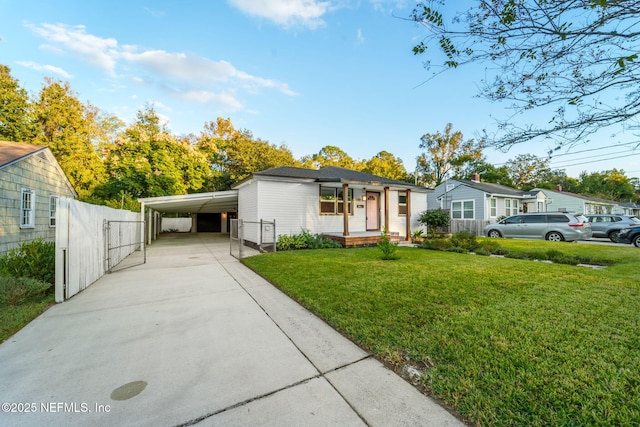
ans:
x=630 y=235
x=609 y=225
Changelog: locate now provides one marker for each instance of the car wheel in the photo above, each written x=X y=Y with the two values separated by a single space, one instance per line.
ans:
x=494 y=233
x=613 y=236
x=554 y=236
x=636 y=241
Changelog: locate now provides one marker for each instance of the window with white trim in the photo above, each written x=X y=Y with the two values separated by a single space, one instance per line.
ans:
x=27 y=208
x=52 y=210
x=510 y=207
x=332 y=201
x=402 y=203
x=493 y=204
x=463 y=209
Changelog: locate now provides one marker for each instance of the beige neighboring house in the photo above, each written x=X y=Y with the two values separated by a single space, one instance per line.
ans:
x=31 y=180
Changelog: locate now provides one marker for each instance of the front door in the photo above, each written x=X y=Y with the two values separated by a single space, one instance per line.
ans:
x=373 y=211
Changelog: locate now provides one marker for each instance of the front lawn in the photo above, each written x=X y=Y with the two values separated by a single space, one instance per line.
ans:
x=502 y=341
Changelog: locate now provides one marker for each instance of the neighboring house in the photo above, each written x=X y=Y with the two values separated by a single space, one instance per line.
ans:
x=314 y=200
x=564 y=201
x=630 y=208
x=483 y=201
x=349 y=206
x=31 y=180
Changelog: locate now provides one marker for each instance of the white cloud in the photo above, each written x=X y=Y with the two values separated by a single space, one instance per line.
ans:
x=48 y=68
x=359 y=37
x=185 y=76
x=97 y=51
x=288 y=13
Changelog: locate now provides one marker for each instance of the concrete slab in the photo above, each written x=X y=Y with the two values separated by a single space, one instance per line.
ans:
x=192 y=336
x=382 y=398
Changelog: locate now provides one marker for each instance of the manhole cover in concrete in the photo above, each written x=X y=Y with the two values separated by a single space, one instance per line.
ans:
x=128 y=390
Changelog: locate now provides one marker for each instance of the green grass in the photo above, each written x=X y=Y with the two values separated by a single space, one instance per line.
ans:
x=14 y=318
x=506 y=341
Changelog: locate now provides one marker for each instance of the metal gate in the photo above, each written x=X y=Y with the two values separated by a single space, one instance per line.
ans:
x=122 y=238
x=262 y=231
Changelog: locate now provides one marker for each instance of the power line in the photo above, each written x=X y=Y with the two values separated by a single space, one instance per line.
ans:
x=599 y=160
x=596 y=157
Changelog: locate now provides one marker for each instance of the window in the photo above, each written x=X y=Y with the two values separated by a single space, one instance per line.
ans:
x=494 y=208
x=27 y=208
x=535 y=219
x=510 y=207
x=462 y=210
x=332 y=200
x=52 y=210
x=402 y=203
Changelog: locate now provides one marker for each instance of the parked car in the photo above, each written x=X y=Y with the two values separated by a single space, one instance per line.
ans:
x=608 y=225
x=630 y=235
x=555 y=226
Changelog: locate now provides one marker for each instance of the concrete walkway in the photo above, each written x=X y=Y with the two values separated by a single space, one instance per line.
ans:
x=194 y=337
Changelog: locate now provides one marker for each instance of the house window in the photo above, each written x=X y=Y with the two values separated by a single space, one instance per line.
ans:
x=510 y=207
x=462 y=210
x=52 y=210
x=540 y=207
x=494 y=208
x=332 y=200
x=27 y=208
x=402 y=203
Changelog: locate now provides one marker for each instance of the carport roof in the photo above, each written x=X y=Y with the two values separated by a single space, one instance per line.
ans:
x=219 y=201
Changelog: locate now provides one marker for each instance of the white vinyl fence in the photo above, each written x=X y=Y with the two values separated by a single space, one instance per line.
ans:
x=82 y=254
x=180 y=225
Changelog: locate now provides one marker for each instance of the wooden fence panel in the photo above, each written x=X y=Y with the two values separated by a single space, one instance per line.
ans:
x=81 y=244
x=471 y=225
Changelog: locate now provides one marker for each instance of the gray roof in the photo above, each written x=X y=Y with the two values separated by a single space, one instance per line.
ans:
x=491 y=188
x=580 y=196
x=334 y=174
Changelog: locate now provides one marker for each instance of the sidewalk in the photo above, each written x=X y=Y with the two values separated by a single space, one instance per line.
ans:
x=194 y=337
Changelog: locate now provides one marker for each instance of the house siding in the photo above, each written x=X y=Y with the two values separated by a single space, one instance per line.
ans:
x=462 y=193
x=40 y=174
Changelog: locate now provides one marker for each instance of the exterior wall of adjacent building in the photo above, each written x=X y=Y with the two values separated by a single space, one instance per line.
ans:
x=40 y=174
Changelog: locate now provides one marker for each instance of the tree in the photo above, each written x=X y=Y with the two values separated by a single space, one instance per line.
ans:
x=576 y=61
x=387 y=165
x=610 y=185
x=330 y=155
x=488 y=173
x=559 y=177
x=234 y=155
x=147 y=161
x=16 y=119
x=69 y=128
x=527 y=171
x=445 y=155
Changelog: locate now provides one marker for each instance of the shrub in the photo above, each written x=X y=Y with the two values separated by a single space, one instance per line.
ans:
x=456 y=249
x=500 y=251
x=35 y=259
x=304 y=240
x=490 y=246
x=14 y=290
x=437 y=244
x=539 y=255
x=389 y=250
x=516 y=255
x=434 y=219
x=483 y=252
x=464 y=239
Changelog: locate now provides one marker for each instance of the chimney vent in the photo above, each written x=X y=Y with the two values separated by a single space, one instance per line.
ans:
x=558 y=187
x=475 y=177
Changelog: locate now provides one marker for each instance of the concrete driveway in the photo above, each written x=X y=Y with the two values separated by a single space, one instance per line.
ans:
x=194 y=337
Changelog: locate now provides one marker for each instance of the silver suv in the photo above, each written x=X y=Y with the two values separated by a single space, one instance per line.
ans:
x=555 y=226
x=609 y=225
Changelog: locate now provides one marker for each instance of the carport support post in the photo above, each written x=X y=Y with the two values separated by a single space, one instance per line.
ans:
x=142 y=228
x=345 y=209
x=386 y=210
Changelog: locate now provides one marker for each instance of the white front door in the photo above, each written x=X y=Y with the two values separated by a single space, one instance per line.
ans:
x=373 y=211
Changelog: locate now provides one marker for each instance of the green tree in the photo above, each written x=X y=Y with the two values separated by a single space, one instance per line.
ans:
x=147 y=161
x=330 y=155
x=576 y=61
x=234 y=155
x=611 y=185
x=16 y=118
x=527 y=171
x=488 y=173
x=445 y=155
x=69 y=128
x=387 y=165
x=559 y=177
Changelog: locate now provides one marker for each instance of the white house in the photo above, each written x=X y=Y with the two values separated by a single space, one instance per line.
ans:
x=31 y=181
x=564 y=201
x=350 y=206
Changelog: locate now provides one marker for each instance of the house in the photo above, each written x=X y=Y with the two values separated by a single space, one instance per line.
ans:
x=349 y=206
x=564 y=201
x=630 y=208
x=483 y=201
x=31 y=181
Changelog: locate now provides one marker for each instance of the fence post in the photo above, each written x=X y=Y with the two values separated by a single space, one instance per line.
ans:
x=274 y=235
x=240 y=237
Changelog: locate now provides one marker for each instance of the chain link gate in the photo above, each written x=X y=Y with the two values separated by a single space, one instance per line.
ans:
x=122 y=238
x=265 y=233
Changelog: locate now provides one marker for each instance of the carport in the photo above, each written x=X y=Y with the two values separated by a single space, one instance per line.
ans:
x=209 y=212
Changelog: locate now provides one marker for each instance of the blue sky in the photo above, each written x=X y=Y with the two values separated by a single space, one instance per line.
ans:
x=304 y=73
